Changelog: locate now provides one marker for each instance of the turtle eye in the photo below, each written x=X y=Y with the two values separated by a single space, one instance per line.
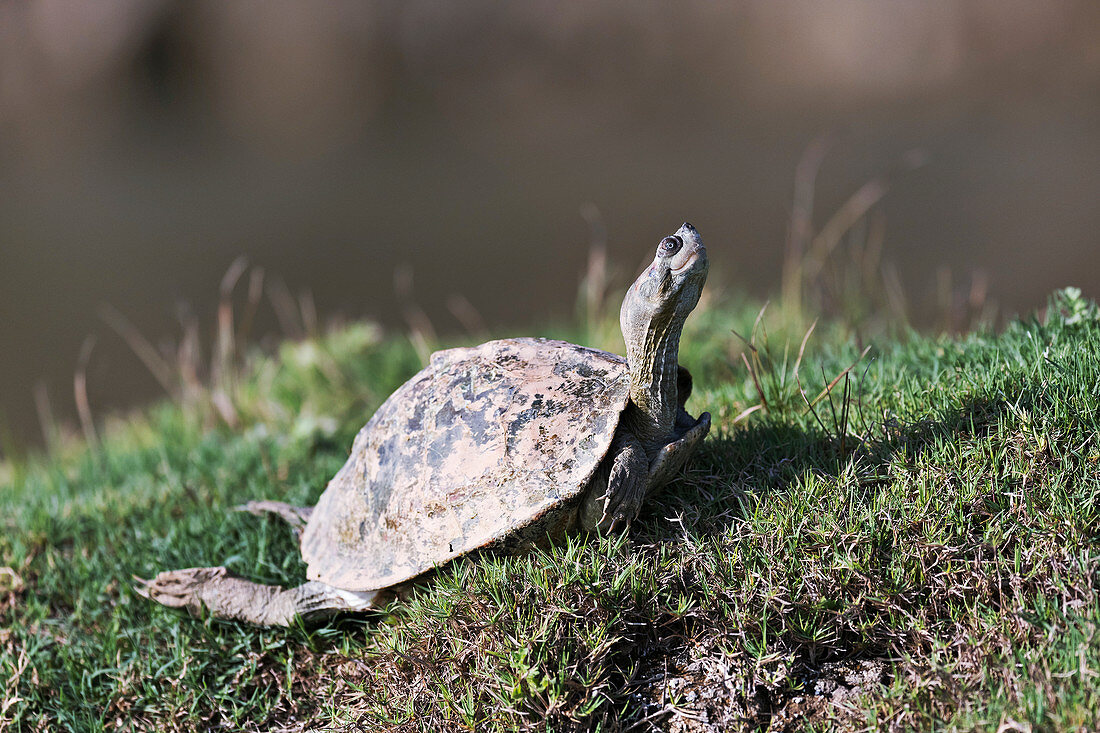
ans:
x=669 y=246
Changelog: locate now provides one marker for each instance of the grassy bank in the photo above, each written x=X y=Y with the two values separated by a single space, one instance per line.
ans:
x=919 y=550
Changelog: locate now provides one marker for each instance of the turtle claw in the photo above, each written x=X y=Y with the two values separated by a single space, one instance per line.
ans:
x=622 y=502
x=617 y=517
x=619 y=522
x=141 y=586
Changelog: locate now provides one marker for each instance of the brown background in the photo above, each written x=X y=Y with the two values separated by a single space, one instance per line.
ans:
x=144 y=145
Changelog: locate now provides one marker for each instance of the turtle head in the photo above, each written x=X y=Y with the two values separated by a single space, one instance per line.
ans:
x=652 y=317
x=668 y=290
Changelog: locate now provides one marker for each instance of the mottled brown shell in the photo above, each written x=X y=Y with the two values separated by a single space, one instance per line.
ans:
x=480 y=444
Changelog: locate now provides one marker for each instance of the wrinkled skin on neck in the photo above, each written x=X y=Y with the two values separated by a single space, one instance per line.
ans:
x=652 y=318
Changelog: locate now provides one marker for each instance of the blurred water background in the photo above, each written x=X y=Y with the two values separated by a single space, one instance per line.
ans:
x=476 y=146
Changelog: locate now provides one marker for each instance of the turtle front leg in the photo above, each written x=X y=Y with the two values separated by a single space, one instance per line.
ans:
x=225 y=595
x=614 y=504
x=672 y=457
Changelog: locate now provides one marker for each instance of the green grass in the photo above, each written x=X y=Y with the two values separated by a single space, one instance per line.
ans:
x=926 y=558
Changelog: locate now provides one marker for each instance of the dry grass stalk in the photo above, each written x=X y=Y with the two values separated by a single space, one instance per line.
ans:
x=224 y=368
x=308 y=308
x=181 y=370
x=188 y=359
x=829 y=387
x=286 y=312
x=157 y=365
x=255 y=294
x=46 y=418
x=808 y=253
x=421 y=332
x=10 y=699
x=80 y=391
x=596 y=281
x=800 y=232
x=226 y=337
x=467 y=315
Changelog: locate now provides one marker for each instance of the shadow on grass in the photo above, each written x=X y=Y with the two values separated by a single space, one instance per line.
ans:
x=735 y=476
x=766 y=459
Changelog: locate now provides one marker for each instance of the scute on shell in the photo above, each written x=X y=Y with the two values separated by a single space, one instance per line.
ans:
x=481 y=443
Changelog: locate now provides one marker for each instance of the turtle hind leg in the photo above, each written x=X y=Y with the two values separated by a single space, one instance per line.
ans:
x=225 y=595
x=295 y=516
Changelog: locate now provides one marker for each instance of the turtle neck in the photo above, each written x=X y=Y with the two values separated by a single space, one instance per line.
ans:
x=653 y=358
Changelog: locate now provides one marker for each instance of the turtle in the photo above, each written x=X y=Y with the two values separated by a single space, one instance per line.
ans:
x=499 y=446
